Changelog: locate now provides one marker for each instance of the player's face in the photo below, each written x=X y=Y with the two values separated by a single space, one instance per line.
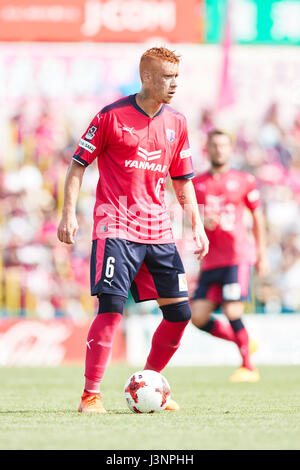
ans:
x=163 y=81
x=219 y=150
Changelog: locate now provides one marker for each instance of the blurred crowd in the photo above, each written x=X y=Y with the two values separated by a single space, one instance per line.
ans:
x=41 y=277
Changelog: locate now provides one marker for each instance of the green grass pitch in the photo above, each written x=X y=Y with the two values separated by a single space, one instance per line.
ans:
x=39 y=411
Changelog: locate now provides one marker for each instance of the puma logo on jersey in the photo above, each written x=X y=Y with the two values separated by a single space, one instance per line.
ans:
x=128 y=129
x=108 y=282
x=88 y=343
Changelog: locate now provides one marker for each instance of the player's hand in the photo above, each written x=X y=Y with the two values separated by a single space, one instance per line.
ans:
x=262 y=266
x=67 y=229
x=201 y=241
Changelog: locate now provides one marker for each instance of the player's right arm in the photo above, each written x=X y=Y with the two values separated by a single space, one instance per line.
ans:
x=90 y=146
x=68 y=225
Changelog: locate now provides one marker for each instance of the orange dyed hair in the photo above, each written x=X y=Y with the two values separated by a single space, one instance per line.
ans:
x=156 y=54
x=161 y=53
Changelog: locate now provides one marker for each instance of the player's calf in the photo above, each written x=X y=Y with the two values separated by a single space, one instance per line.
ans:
x=202 y=310
x=167 y=337
x=100 y=340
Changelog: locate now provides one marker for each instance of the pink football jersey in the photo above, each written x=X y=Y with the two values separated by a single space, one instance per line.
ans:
x=135 y=154
x=225 y=198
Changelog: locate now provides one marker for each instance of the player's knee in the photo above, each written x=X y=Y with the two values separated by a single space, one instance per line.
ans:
x=199 y=320
x=177 y=312
x=201 y=311
x=111 y=303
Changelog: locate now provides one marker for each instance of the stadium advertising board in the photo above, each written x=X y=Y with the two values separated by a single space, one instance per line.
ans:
x=100 y=20
x=254 y=21
x=32 y=342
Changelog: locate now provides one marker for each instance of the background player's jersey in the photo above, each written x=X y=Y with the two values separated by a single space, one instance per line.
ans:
x=135 y=155
x=225 y=198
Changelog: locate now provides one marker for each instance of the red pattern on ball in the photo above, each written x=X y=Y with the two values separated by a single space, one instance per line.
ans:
x=133 y=387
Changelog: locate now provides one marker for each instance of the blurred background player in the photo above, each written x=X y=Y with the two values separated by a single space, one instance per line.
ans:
x=137 y=141
x=224 y=277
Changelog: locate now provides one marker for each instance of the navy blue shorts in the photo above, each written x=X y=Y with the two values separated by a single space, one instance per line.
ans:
x=225 y=284
x=149 y=271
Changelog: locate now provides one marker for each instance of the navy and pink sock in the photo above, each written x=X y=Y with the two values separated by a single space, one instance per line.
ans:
x=242 y=341
x=234 y=331
x=166 y=339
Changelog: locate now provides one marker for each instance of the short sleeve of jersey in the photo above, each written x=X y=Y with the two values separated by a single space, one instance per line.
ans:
x=93 y=141
x=252 y=196
x=181 y=165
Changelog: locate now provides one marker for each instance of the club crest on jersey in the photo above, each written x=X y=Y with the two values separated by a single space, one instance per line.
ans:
x=170 y=133
x=91 y=132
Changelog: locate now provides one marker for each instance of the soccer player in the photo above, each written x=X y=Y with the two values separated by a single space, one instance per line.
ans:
x=224 y=275
x=138 y=141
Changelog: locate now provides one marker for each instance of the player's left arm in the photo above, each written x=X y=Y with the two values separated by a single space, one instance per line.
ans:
x=181 y=172
x=259 y=232
x=253 y=202
x=185 y=193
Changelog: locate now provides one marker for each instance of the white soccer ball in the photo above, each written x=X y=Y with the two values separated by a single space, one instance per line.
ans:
x=147 y=391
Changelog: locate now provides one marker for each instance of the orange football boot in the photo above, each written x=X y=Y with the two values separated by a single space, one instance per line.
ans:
x=245 y=375
x=172 y=406
x=91 y=403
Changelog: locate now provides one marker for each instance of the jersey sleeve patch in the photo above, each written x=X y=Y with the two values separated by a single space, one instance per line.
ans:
x=87 y=145
x=181 y=164
x=91 y=133
x=186 y=153
x=93 y=140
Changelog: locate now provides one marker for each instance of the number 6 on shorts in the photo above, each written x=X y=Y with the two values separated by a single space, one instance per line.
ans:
x=110 y=267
